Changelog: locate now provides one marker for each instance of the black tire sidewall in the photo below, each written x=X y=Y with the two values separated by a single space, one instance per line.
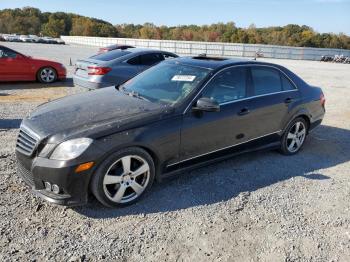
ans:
x=39 y=75
x=284 y=149
x=96 y=183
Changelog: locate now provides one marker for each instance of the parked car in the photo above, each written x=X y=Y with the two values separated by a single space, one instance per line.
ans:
x=116 y=67
x=12 y=38
x=180 y=114
x=15 y=66
x=49 y=40
x=59 y=41
x=113 y=47
x=2 y=38
x=26 y=39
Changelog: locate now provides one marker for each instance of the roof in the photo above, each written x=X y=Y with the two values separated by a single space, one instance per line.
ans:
x=142 y=50
x=214 y=62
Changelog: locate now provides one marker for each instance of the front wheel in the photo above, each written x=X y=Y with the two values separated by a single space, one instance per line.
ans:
x=47 y=75
x=294 y=137
x=123 y=178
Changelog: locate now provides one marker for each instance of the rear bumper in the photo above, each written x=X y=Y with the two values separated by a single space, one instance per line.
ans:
x=87 y=83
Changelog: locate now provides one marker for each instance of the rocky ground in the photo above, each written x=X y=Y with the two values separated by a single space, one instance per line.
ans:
x=257 y=207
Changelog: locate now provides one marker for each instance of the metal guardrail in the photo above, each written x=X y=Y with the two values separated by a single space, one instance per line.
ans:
x=213 y=48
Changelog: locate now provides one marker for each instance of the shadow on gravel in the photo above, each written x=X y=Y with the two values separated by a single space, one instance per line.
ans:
x=34 y=85
x=10 y=123
x=326 y=147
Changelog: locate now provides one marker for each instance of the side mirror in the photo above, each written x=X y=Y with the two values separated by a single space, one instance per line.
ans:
x=207 y=105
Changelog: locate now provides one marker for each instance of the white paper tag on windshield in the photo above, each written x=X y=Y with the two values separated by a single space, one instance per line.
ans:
x=184 y=78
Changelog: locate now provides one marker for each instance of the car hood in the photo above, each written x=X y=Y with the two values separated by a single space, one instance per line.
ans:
x=92 y=114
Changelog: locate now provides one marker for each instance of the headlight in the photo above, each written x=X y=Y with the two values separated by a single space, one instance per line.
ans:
x=71 y=149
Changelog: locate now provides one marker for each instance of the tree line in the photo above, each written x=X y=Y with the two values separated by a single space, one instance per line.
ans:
x=32 y=21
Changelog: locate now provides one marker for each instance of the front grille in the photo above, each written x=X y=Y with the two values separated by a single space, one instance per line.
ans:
x=27 y=141
x=25 y=174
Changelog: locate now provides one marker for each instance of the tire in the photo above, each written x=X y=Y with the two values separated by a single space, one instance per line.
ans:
x=47 y=75
x=123 y=178
x=294 y=137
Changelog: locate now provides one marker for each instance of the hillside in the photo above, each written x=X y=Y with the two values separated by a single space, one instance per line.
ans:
x=32 y=21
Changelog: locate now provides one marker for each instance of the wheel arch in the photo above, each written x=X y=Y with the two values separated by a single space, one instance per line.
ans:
x=303 y=114
x=155 y=157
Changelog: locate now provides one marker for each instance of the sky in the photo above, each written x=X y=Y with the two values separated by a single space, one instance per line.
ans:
x=322 y=15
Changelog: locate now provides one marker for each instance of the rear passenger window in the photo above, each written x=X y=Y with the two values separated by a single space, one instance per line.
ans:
x=286 y=84
x=134 y=61
x=266 y=80
x=227 y=86
x=151 y=59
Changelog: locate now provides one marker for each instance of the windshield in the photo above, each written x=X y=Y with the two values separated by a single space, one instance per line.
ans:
x=166 y=83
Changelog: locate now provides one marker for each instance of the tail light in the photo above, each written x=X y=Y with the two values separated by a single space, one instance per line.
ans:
x=322 y=100
x=98 y=71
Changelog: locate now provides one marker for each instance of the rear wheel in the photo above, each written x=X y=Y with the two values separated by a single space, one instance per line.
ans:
x=294 y=137
x=47 y=75
x=123 y=178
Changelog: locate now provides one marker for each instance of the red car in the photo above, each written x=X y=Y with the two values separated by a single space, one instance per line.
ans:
x=17 y=67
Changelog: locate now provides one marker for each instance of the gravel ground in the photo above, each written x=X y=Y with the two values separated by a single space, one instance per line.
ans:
x=256 y=207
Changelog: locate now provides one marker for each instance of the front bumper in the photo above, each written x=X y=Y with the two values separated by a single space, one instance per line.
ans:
x=74 y=187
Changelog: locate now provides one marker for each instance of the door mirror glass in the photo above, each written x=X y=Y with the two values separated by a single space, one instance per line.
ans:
x=207 y=104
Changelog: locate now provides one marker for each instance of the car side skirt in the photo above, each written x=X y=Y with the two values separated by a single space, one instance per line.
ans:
x=267 y=142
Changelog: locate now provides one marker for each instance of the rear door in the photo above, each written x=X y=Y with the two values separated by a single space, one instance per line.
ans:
x=272 y=97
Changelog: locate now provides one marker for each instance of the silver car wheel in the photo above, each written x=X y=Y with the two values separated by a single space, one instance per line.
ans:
x=47 y=75
x=296 y=137
x=126 y=179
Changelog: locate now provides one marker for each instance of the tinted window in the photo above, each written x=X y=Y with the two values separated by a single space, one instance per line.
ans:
x=169 y=56
x=111 y=55
x=5 y=53
x=287 y=85
x=134 y=61
x=266 y=80
x=228 y=85
x=151 y=59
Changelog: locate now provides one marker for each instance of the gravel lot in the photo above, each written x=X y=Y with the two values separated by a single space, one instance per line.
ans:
x=255 y=207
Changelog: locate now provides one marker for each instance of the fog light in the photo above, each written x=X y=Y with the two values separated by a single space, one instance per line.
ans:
x=47 y=186
x=56 y=189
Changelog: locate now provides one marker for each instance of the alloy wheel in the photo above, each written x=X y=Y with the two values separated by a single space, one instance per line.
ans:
x=126 y=179
x=296 y=137
x=47 y=75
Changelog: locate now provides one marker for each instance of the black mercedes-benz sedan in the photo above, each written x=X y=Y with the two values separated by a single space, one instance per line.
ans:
x=180 y=114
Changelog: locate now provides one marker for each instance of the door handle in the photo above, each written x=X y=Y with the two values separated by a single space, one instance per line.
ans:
x=288 y=100
x=244 y=111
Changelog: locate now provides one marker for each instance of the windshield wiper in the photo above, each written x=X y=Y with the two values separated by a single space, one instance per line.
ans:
x=133 y=94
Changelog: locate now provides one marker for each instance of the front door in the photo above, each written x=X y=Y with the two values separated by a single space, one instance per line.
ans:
x=205 y=132
x=13 y=66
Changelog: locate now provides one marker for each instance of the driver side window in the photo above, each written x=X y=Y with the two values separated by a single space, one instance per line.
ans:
x=7 y=53
x=229 y=85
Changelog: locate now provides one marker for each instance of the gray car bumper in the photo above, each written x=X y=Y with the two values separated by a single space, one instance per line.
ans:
x=86 y=83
